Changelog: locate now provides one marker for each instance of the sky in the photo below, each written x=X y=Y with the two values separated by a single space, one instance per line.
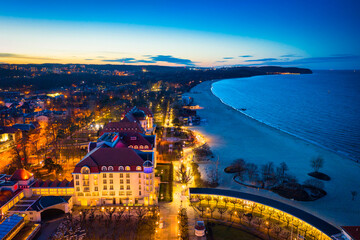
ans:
x=317 y=34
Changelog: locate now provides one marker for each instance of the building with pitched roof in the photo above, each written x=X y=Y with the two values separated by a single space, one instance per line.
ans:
x=141 y=115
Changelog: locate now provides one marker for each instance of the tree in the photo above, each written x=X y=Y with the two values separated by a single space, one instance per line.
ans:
x=184 y=174
x=239 y=167
x=267 y=172
x=231 y=212
x=317 y=163
x=252 y=170
x=221 y=211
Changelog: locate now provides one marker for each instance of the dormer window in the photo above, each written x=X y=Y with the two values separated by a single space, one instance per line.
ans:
x=141 y=147
x=138 y=168
x=127 y=168
x=110 y=168
x=131 y=146
x=135 y=147
x=121 y=168
x=146 y=147
x=85 y=170
x=103 y=168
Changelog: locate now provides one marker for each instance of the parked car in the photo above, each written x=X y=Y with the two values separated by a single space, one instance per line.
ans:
x=200 y=229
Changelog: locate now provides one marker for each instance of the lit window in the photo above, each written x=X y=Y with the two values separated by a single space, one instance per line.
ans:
x=138 y=168
x=127 y=168
x=96 y=189
x=135 y=147
x=128 y=175
x=111 y=187
x=146 y=147
x=105 y=187
x=121 y=187
x=141 y=147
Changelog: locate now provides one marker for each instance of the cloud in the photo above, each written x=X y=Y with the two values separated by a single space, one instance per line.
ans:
x=246 y=56
x=262 y=60
x=128 y=60
x=228 y=58
x=289 y=55
x=171 y=59
x=13 y=55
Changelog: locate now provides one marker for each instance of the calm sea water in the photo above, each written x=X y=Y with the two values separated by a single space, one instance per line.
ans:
x=323 y=107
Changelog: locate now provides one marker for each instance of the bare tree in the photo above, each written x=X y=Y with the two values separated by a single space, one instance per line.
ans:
x=239 y=166
x=314 y=183
x=221 y=211
x=184 y=174
x=252 y=170
x=317 y=163
x=141 y=213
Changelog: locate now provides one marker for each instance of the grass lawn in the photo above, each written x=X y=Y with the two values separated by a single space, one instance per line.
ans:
x=163 y=170
x=219 y=232
x=165 y=193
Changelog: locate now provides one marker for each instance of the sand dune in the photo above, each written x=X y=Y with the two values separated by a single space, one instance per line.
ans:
x=234 y=135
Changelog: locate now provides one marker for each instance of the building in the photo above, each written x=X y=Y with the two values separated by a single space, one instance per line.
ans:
x=115 y=176
x=140 y=115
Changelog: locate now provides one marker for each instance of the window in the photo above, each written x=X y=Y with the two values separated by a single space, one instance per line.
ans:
x=139 y=181
x=128 y=175
x=77 y=183
x=139 y=187
x=121 y=168
x=128 y=187
x=121 y=175
x=103 y=168
x=86 y=189
x=139 y=175
x=112 y=193
x=138 y=168
x=95 y=182
x=111 y=187
x=77 y=176
x=128 y=193
x=78 y=189
x=121 y=187
x=146 y=147
x=111 y=175
x=95 y=176
x=121 y=193
x=104 y=181
x=96 y=189
x=127 y=181
x=111 y=181
x=104 y=175
x=139 y=192
x=127 y=168
x=110 y=168
x=121 y=181
x=105 y=187
x=130 y=146
x=85 y=170
x=135 y=147
x=141 y=147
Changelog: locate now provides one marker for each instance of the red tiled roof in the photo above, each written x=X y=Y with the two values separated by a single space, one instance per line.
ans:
x=21 y=174
x=352 y=231
x=144 y=109
x=114 y=157
x=135 y=139
x=52 y=184
x=122 y=126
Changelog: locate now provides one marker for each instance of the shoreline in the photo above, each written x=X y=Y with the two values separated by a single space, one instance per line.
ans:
x=344 y=155
x=234 y=135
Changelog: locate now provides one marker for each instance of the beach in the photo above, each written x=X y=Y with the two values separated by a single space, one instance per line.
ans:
x=232 y=135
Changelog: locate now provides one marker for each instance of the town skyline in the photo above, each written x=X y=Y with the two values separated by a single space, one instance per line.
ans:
x=316 y=35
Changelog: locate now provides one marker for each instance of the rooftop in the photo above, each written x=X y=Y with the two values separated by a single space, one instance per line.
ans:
x=352 y=231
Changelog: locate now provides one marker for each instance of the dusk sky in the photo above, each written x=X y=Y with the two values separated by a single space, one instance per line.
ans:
x=321 y=34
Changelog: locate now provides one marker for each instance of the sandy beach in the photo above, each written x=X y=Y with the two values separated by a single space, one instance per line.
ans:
x=233 y=135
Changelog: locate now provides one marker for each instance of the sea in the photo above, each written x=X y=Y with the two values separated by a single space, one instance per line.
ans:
x=322 y=108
